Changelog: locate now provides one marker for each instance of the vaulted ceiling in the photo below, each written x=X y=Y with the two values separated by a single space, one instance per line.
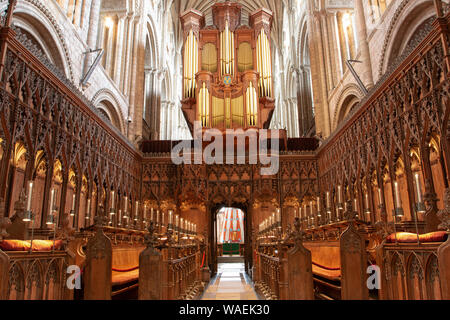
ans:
x=248 y=6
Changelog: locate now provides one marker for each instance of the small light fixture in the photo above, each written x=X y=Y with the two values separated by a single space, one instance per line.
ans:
x=28 y=216
x=50 y=220
x=109 y=23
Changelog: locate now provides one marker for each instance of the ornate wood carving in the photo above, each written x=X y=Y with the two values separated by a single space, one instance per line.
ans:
x=98 y=272
x=300 y=267
x=353 y=261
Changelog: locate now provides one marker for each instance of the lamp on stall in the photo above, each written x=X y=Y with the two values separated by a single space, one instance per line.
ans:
x=136 y=214
x=72 y=211
x=398 y=202
x=367 y=210
x=125 y=208
x=339 y=194
x=181 y=226
x=52 y=209
x=120 y=218
x=319 y=214
x=28 y=214
x=420 y=206
x=112 y=210
x=88 y=213
x=328 y=209
x=170 y=222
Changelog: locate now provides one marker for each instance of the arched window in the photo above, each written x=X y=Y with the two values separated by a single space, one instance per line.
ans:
x=74 y=10
x=377 y=8
x=305 y=101
x=107 y=109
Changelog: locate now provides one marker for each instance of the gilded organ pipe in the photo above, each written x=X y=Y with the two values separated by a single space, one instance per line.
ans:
x=190 y=65
x=227 y=51
x=264 y=65
x=203 y=105
x=252 y=105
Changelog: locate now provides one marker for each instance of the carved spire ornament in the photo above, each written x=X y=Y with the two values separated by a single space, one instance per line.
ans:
x=296 y=234
x=4 y=221
x=350 y=215
x=151 y=239
x=444 y=215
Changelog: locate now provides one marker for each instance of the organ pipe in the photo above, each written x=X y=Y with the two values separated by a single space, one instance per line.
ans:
x=227 y=51
x=251 y=99
x=264 y=66
x=203 y=106
x=190 y=65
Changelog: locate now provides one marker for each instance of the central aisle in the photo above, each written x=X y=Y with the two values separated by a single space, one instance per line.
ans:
x=230 y=284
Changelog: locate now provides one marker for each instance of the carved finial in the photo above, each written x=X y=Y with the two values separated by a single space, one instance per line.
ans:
x=350 y=215
x=4 y=222
x=100 y=220
x=65 y=232
x=444 y=215
x=297 y=233
x=19 y=205
x=151 y=239
x=383 y=229
x=170 y=239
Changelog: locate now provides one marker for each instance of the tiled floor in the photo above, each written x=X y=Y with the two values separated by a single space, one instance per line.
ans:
x=230 y=284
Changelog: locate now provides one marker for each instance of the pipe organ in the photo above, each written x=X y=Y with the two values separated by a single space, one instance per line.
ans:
x=191 y=63
x=227 y=69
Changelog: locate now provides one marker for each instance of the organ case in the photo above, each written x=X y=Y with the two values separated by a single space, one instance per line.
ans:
x=227 y=69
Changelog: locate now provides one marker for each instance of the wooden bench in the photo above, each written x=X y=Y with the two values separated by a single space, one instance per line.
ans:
x=125 y=268
x=412 y=270
x=36 y=275
x=326 y=268
x=112 y=266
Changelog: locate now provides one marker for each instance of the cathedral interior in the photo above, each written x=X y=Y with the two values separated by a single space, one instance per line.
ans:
x=117 y=116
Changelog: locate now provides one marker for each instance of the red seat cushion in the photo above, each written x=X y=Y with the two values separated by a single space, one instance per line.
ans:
x=24 y=245
x=406 y=237
x=333 y=274
x=119 y=278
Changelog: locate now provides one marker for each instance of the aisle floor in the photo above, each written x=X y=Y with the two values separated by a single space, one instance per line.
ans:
x=231 y=283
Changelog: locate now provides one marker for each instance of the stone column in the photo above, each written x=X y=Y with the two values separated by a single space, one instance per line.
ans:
x=317 y=67
x=119 y=48
x=327 y=50
x=367 y=75
x=128 y=53
x=294 y=116
x=93 y=31
x=109 y=49
x=77 y=14
x=334 y=56
x=136 y=89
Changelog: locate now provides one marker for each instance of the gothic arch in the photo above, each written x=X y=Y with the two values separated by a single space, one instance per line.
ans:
x=400 y=31
x=34 y=13
x=151 y=45
x=349 y=97
x=109 y=106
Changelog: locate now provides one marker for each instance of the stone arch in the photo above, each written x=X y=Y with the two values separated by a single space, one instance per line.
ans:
x=108 y=105
x=152 y=42
x=34 y=13
x=350 y=96
x=400 y=32
x=304 y=92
